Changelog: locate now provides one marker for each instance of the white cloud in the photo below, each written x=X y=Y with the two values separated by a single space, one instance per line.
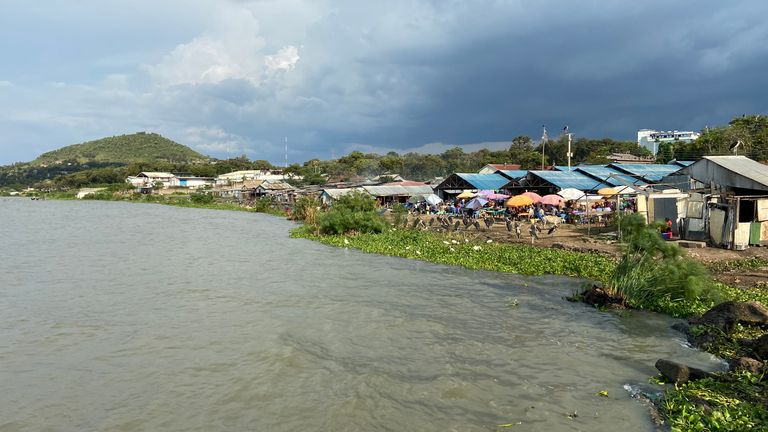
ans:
x=232 y=48
x=285 y=59
x=214 y=140
x=6 y=84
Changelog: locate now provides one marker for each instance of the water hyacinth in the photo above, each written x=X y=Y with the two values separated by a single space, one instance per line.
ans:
x=512 y=258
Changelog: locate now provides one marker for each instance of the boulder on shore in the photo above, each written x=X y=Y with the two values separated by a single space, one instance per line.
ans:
x=748 y=364
x=727 y=314
x=678 y=372
x=760 y=346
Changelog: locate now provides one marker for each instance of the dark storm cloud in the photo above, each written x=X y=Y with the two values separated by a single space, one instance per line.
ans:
x=338 y=75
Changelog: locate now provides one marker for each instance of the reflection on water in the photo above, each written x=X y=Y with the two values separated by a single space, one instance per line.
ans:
x=130 y=317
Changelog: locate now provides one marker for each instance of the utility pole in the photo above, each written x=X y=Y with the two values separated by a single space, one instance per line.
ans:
x=569 y=154
x=544 y=139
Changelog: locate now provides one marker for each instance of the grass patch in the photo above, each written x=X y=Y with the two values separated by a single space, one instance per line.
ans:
x=752 y=263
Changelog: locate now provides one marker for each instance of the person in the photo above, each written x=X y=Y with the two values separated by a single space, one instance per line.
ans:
x=668 y=223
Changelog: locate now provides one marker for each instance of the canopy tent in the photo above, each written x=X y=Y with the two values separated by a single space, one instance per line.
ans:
x=465 y=194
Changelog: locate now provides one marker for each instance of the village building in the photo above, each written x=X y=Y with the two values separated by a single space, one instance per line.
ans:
x=457 y=183
x=149 y=179
x=728 y=201
x=240 y=176
x=651 y=139
x=492 y=168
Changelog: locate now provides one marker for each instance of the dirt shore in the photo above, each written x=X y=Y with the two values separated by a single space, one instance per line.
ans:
x=603 y=240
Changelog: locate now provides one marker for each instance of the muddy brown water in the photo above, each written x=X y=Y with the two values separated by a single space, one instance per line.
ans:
x=131 y=317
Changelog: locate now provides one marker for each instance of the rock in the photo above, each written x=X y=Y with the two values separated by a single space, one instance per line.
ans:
x=678 y=372
x=760 y=346
x=725 y=315
x=682 y=327
x=748 y=364
x=598 y=297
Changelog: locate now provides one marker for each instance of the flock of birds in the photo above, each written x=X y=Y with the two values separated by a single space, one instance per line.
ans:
x=451 y=223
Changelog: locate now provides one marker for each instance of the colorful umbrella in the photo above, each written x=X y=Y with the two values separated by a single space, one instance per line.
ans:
x=608 y=191
x=532 y=195
x=570 y=194
x=519 y=201
x=465 y=194
x=497 y=196
x=476 y=203
x=551 y=200
x=484 y=193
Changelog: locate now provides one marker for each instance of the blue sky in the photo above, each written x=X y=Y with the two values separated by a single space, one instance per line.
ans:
x=229 y=77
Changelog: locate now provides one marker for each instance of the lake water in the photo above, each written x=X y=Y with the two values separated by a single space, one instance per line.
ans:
x=133 y=317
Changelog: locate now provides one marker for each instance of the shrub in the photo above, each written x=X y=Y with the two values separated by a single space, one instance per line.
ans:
x=653 y=273
x=353 y=212
x=201 y=198
x=305 y=209
x=399 y=213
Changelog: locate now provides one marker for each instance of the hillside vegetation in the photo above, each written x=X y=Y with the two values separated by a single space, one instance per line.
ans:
x=123 y=149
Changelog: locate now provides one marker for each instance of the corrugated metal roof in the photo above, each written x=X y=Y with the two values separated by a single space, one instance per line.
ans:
x=570 y=179
x=155 y=174
x=418 y=189
x=381 y=191
x=650 y=172
x=336 y=193
x=608 y=175
x=484 y=181
x=682 y=163
x=513 y=174
x=740 y=172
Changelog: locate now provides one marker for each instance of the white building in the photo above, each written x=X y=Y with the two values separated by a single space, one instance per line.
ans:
x=190 y=182
x=149 y=179
x=651 y=139
x=241 y=176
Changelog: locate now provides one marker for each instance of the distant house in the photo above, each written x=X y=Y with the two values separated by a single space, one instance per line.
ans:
x=328 y=196
x=150 y=179
x=240 y=176
x=191 y=182
x=651 y=139
x=492 y=168
x=630 y=158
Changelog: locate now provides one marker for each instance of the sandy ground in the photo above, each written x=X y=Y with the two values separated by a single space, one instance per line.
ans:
x=603 y=240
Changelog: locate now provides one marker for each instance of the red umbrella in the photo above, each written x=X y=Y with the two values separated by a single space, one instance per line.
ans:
x=533 y=196
x=551 y=200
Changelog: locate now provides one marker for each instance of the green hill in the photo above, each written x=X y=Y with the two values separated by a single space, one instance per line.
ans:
x=123 y=149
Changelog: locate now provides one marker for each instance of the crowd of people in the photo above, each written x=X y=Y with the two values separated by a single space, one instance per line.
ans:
x=574 y=211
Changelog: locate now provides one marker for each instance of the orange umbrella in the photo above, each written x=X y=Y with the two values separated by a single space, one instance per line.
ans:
x=608 y=191
x=519 y=201
x=533 y=196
